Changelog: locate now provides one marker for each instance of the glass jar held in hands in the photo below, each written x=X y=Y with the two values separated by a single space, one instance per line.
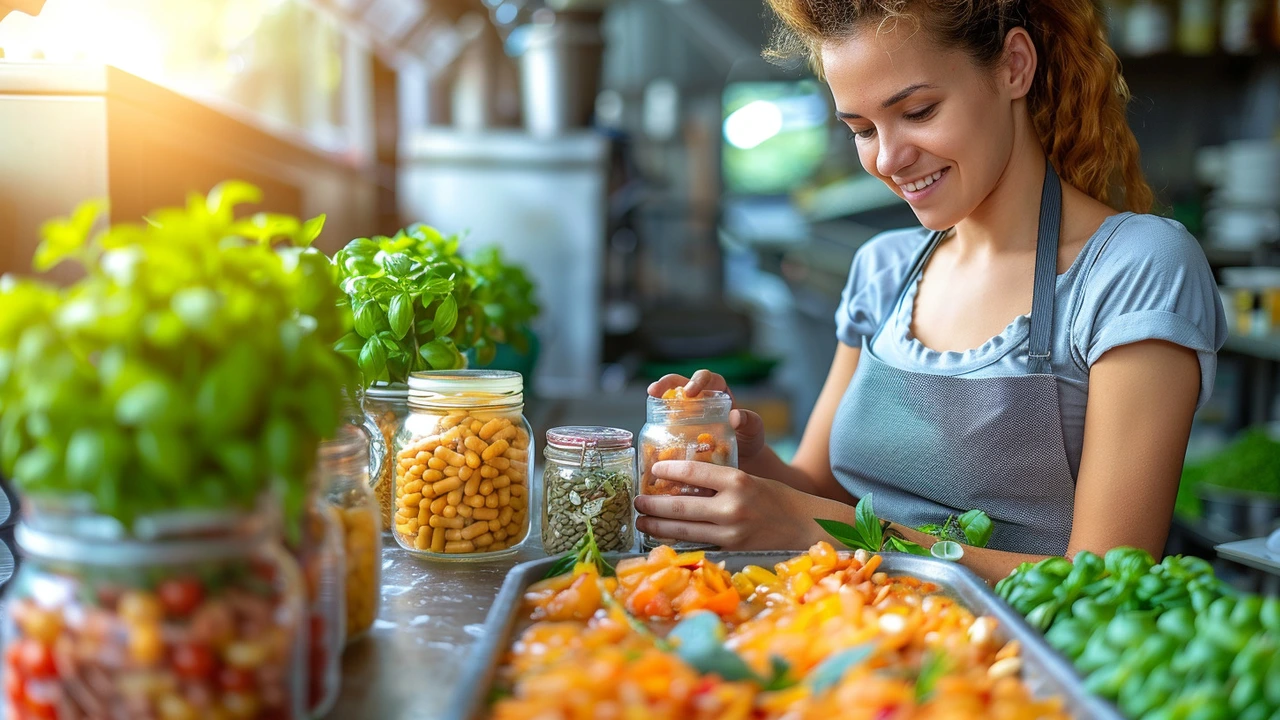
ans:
x=693 y=421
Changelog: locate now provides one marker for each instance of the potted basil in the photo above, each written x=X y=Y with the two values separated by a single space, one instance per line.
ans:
x=419 y=305
x=145 y=412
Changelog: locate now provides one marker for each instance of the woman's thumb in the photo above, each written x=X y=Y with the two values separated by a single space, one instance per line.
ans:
x=750 y=430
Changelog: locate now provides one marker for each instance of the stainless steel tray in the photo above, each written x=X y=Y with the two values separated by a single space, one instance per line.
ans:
x=1044 y=670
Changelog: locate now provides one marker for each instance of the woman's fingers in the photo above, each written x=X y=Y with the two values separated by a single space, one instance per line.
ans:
x=697 y=532
x=666 y=383
x=704 y=380
x=700 y=474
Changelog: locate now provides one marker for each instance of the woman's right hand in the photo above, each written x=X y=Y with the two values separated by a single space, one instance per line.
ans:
x=748 y=426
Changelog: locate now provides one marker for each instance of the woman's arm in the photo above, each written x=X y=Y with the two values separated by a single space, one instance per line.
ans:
x=1141 y=401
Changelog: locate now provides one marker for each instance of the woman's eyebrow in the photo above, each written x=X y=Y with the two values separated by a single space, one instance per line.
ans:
x=894 y=99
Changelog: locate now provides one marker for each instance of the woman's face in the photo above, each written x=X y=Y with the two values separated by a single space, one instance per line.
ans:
x=927 y=121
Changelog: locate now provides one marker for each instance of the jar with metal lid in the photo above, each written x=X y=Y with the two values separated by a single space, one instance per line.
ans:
x=588 y=480
x=387 y=405
x=462 y=466
x=684 y=428
x=345 y=461
x=192 y=614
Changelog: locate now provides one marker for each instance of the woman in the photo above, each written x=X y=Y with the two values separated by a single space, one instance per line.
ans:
x=1002 y=124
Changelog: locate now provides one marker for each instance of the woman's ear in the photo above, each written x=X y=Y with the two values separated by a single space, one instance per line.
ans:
x=1019 y=67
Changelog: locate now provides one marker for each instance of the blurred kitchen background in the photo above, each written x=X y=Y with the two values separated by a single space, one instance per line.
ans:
x=680 y=202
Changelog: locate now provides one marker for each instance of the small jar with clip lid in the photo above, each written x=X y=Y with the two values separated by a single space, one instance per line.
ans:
x=462 y=466
x=588 y=480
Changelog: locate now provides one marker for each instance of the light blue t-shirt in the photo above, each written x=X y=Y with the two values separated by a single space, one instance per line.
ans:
x=1139 y=277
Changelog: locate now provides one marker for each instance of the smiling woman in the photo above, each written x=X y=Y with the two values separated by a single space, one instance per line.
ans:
x=1036 y=350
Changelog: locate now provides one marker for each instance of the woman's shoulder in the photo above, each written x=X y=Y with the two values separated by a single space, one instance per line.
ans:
x=1149 y=241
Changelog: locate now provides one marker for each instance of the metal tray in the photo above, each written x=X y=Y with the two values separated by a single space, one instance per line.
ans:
x=1044 y=670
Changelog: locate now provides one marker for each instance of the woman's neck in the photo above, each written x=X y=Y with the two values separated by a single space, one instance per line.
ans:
x=1008 y=220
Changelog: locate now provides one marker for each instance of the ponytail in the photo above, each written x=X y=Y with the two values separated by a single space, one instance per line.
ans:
x=1077 y=101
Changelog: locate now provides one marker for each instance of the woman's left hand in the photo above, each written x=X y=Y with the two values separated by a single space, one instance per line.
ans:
x=746 y=513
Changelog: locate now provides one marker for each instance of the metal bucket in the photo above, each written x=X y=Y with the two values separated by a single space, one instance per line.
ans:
x=560 y=74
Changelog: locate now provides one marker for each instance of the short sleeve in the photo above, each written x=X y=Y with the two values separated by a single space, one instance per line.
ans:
x=879 y=267
x=1151 y=281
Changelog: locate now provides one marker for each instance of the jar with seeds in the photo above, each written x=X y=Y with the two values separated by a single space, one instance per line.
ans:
x=589 y=475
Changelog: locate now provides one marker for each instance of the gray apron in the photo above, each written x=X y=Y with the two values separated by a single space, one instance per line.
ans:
x=928 y=446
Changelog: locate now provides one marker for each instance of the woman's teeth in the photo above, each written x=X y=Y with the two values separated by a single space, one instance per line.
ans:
x=923 y=183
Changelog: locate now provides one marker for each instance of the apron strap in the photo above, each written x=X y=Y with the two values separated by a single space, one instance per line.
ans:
x=1046 y=278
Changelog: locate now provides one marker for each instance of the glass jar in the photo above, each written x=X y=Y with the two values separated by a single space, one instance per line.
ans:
x=193 y=615
x=388 y=406
x=345 y=463
x=589 y=476
x=695 y=428
x=320 y=554
x=462 y=466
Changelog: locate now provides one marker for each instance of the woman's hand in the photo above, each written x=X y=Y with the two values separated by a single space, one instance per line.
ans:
x=746 y=512
x=746 y=424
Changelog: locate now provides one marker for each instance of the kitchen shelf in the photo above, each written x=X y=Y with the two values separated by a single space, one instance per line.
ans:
x=1266 y=348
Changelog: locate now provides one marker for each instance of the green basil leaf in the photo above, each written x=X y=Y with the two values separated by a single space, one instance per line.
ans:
x=164 y=454
x=699 y=642
x=310 y=230
x=370 y=318
x=779 y=675
x=827 y=674
x=897 y=544
x=146 y=403
x=225 y=196
x=396 y=264
x=446 y=316
x=435 y=286
x=400 y=315
x=438 y=355
x=86 y=453
x=845 y=534
x=350 y=345
x=373 y=360
x=868 y=525
x=977 y=528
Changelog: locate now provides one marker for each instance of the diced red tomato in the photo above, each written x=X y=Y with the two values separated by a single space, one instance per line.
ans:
x=180 y=597
x=35 y=659
x=194 y=662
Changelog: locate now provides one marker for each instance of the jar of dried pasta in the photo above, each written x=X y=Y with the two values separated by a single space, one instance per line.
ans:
x=462 y=466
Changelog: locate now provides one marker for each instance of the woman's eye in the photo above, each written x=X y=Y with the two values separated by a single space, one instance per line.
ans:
x=864 y=134
x=922 y=114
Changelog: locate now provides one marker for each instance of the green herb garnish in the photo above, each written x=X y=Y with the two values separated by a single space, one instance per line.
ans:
x=972 y=528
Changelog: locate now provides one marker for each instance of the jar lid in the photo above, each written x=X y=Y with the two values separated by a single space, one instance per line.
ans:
x=576 y=437
x=436 y=382
x=387 y=391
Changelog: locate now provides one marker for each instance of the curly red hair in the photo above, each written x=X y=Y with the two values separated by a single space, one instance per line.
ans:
x=1093 y=150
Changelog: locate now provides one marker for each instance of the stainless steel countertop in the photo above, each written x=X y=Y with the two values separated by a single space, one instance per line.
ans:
x=431 y=614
